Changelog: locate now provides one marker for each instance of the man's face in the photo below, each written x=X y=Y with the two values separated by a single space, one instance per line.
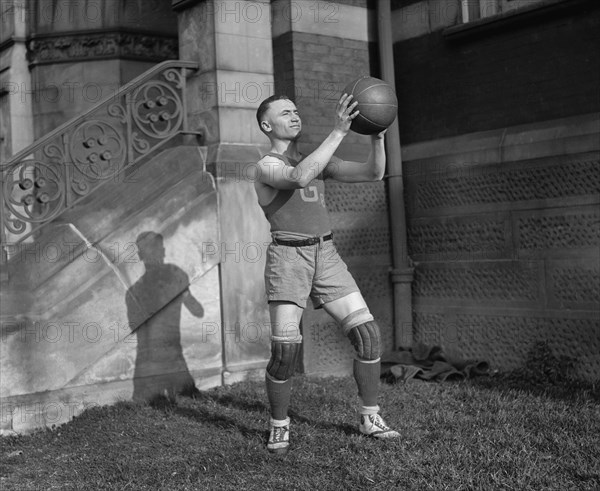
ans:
x=282 y=120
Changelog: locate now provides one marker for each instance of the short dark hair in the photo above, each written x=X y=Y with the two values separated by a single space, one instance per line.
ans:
x=264 y=105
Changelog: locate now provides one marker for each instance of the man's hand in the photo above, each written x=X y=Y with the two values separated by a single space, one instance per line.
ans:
x=379 y=136
x=345 y=113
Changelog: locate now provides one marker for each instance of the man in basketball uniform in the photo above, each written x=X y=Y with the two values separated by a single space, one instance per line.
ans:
x=302 y=261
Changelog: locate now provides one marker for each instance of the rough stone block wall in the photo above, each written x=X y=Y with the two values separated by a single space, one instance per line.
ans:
x=507 y=254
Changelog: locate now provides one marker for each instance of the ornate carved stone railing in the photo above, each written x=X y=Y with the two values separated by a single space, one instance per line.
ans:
x=65 y=166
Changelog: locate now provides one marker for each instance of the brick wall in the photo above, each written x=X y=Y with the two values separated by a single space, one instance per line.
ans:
x=514 y=75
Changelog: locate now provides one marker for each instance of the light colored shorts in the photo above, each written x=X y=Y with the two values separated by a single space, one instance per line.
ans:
x=293 y=274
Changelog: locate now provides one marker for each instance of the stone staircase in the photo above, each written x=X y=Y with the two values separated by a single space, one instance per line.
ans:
x=106 y=292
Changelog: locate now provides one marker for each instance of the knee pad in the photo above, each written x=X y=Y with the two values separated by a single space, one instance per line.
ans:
x=363 y=332
x=284 y=356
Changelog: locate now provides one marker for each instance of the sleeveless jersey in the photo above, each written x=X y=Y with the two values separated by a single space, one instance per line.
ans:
x=300 y=211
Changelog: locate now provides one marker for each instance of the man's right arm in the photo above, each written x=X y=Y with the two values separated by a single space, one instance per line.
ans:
x=275 y=173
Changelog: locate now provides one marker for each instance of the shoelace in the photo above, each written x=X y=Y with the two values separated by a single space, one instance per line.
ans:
x=377 y=421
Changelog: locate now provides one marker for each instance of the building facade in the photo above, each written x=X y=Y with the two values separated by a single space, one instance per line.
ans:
x=128 y=148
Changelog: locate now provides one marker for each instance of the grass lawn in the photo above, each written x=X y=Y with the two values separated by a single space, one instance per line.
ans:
x=487 y=433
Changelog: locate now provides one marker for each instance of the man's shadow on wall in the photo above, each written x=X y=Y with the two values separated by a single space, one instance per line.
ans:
x=154 y=311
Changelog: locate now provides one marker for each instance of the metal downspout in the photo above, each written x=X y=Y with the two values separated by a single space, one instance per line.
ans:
x=402 y=272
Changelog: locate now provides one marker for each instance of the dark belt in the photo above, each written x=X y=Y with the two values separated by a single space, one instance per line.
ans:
x=301 y=243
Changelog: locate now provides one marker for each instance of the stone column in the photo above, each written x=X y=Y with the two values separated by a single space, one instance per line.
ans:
x=15 y=104
x=16 y=128
x=231 y=41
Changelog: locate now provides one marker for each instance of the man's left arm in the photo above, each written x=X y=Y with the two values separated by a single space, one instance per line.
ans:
x=371 y=170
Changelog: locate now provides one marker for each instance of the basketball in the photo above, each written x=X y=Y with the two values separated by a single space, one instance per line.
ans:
x=377 y=104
